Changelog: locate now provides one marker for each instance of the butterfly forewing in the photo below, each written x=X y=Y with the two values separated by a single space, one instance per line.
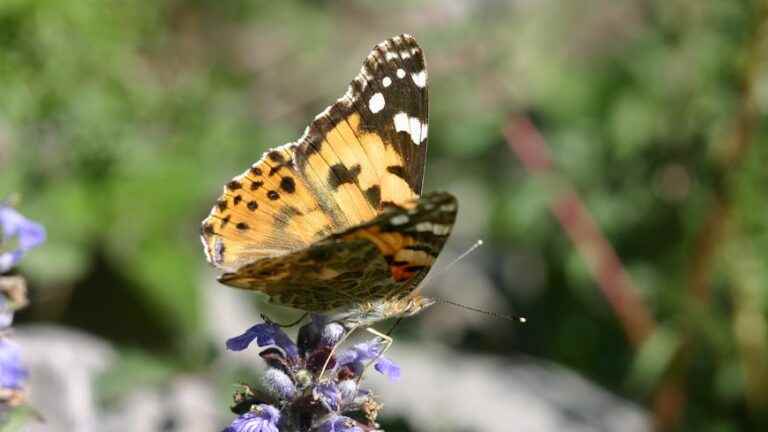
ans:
x=363 y=152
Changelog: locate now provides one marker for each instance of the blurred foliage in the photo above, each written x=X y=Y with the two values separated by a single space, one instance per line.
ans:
x=120 y=121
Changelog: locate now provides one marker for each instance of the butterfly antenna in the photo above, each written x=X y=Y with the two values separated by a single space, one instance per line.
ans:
x=471 y=249
x=514 y=318
x=445 y=269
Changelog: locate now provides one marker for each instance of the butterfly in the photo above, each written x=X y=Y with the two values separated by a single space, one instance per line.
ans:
x=335 y=222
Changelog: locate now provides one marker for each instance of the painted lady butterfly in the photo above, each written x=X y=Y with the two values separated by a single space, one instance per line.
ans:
x=335 y=222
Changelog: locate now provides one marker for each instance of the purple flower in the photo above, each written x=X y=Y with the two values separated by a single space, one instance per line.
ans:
x=331 y=334
x=339 y=424
x=6 y=313
x=12 y=373
x=264 y=334
x=347 y=390
x=18 y=235
x=279 y=383
x=362 y=353
x=262 y=418
x=329 y=395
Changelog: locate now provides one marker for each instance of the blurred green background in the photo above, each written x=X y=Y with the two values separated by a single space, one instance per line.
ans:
x=121 y=120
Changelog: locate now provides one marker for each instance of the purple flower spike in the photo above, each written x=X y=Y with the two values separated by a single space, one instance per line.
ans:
x=308 y=399
x=263 y=418
x=25 y=233
x=12 y=373
x=264 y=334
x=339 y=424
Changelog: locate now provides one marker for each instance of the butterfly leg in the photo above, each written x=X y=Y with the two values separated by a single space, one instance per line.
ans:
x=333 y=351
x=291 y=324
x=388 y=343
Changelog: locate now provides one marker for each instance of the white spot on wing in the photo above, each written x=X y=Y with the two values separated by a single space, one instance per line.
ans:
x=441 y=229
x=400 y=73
x=412 y=125
x=415 y=131
x=424 y=226
x=399 y=220
x=401 y=122
x=386 y=82
x=376 y=103
x=420 y=78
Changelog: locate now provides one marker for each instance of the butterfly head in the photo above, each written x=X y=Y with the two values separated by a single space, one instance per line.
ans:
x=364 y=314
x=414 y=305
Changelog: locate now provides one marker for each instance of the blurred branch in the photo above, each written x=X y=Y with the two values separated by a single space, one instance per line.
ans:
x=601 y=258
x=670 y=400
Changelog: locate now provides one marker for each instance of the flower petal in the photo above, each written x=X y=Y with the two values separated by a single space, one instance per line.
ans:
x=264 y=334
x=279 y=383
x=348 y=390
x=358 y=355
x=6 y=313
x=388 y=368
x=12 y=373
x=263 y=418
x=328 y=394
x=339 y=424
x=364 y=351
x=332 y=334
x=28 y=234
x=9 y=259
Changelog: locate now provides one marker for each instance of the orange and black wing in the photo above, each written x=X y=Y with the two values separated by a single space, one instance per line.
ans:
x=365 y=152
x=385 y=258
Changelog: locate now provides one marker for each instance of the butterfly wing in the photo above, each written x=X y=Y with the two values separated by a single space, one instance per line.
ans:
x=361 y=154
x=385 y=258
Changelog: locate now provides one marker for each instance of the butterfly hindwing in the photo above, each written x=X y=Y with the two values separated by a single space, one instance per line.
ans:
x=385 y=258
x=361 y=154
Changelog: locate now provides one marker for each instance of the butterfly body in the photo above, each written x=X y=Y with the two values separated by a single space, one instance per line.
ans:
x=335 y=222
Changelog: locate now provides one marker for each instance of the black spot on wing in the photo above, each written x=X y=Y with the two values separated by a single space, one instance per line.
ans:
x=373 y=195
x=340 y=175
x=287 y=184
x=276 y=156
x=398 y=171
x=422 y=248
